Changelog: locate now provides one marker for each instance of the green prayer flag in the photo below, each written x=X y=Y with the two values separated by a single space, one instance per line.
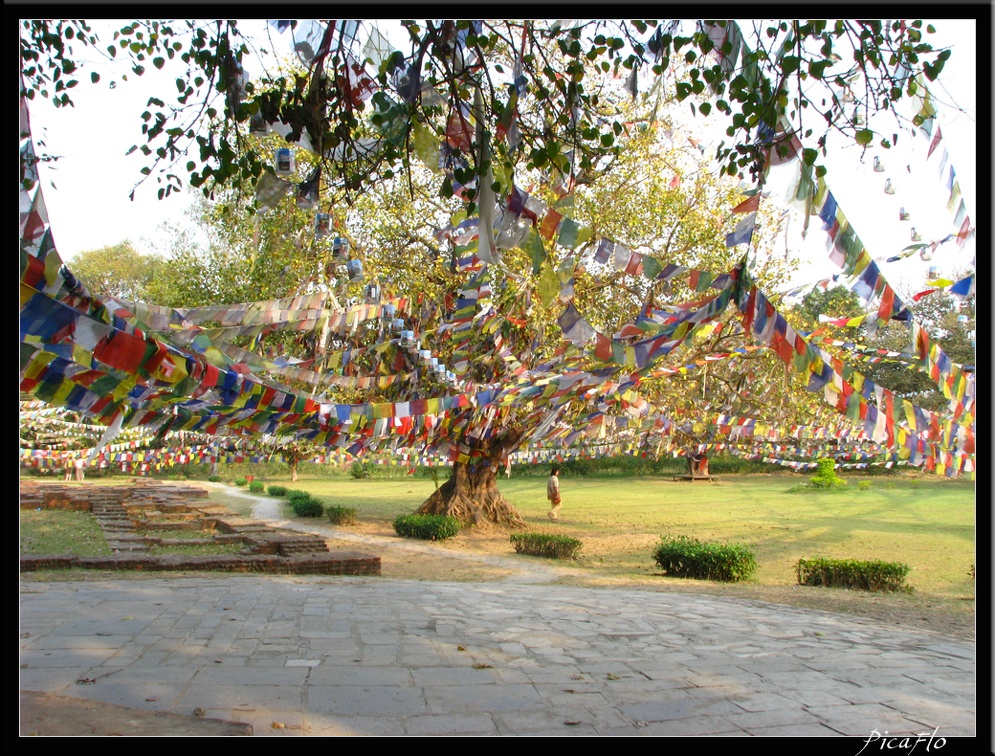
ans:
x=651 y=267
x=533 y=246
x=549 y=284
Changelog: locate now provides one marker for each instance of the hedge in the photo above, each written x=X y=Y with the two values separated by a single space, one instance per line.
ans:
x=683 y=556
x=546 y=545
x=340 y=515
x=861 y=575
x=427 y=527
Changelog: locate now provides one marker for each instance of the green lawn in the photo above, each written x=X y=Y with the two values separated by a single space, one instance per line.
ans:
x=57 y=531
x=928 y=524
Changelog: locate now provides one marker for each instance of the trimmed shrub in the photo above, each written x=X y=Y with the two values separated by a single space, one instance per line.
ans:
x=240 y=481
x=359 y=470
x=825 y=476
x=305 y=505
x=546 y=545
x=277 y=490
x=214 y=478
x=683 y=556
x=340 y=515
x=427 y=527
x=856 y=574
x=256 y=486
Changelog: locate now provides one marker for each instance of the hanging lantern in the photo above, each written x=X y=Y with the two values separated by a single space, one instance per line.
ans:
x=283 y=161
x=889 y=188
x=397 y=325
x=425 y=355
x=926 y=253
x=355 y=270
x=934 y=272
x=916 y=236
x=904 y=214
x=388 y=311
x=858 y=118
x=878 y=165
x=372 y=293
x=322 y=225
x=407 y=340
x=258 y=125
x=340 y=249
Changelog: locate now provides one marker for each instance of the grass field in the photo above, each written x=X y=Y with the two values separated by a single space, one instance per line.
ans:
x=928 y=524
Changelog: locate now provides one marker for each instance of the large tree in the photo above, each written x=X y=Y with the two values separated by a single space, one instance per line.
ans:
x=493 y=107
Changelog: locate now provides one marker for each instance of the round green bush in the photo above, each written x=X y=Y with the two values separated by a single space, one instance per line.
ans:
x=682 y=556
x=277 y=490
x=307 y=506
x=256 y=486
x=240 y=481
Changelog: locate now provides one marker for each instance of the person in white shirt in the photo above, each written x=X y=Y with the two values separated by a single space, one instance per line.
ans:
x=553 y=493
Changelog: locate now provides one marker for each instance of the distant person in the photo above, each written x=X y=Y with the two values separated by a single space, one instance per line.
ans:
x=703 y=464
x=80 y=465
x=553 y=493
x=70 y=467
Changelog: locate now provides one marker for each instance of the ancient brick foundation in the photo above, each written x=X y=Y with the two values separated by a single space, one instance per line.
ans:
x=123 y=510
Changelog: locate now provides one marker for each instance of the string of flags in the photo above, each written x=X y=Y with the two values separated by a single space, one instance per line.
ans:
x=106 y=361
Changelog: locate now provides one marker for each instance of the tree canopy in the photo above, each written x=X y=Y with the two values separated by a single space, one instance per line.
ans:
x=483 y=244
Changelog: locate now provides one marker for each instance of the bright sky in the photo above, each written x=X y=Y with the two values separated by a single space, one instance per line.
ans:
x=87 y=189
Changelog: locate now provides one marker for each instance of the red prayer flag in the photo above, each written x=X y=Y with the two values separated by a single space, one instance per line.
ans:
x=750 y=205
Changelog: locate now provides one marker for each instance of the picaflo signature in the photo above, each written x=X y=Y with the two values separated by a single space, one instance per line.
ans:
x=907 y=743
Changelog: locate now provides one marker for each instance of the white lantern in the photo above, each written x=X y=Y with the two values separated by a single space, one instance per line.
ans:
x=283 y=161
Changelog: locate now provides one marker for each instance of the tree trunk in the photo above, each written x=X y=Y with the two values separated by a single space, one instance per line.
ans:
x=293 y=470
x=471 y=495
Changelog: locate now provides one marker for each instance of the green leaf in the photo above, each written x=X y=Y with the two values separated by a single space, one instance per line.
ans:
x=158 y=62
x=818 y=69
x=864 y=137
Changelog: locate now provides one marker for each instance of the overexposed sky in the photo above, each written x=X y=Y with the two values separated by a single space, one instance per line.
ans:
x=87 y=189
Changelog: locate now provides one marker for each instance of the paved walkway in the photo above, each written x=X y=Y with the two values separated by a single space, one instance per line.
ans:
x=301 y=655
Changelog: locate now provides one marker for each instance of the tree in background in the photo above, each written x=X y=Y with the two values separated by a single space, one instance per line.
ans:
x=118 y=272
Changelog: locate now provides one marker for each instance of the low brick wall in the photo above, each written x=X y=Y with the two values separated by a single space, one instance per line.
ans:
x=340 y=563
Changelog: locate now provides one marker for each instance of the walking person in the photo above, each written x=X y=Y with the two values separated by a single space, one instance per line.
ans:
x=70 y=468
x=80 y=465
x=553 y=493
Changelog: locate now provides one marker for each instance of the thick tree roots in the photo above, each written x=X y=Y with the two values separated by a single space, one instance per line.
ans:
x=473 y=499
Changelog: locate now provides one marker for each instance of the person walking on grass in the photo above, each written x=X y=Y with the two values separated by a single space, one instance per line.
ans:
x=553 y=493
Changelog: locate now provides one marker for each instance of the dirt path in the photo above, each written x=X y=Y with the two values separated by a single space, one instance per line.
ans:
x=435 y=561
